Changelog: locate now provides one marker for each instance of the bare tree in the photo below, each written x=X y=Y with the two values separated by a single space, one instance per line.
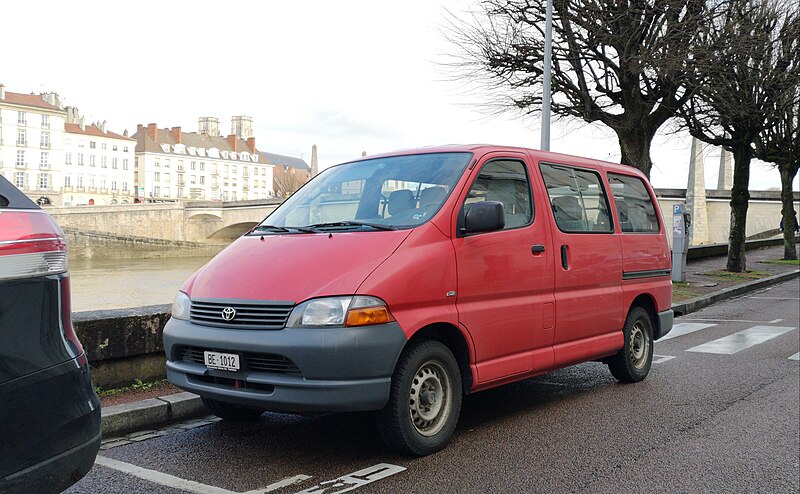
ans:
x=286 y=182
x=738 y=93
x=780 y=144
x=620 y=63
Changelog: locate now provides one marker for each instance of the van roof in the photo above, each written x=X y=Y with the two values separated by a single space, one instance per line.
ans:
x=481 y=149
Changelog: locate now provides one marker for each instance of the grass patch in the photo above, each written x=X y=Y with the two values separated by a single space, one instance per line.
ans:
x=723 y=275
x=138 y=385
x=789 y=262
x=683 y=291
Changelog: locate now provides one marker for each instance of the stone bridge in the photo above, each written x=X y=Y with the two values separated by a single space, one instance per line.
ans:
x=177 y=221
x=194 y=221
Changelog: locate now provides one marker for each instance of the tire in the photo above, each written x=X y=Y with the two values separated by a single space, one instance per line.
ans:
x=232 y=413
x=632 y=363
x=424 y=400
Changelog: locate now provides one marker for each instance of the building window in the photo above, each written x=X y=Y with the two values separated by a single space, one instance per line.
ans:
x=80 y=181
x=114 y=147
x=180 y=193
x=67 y=158
x=125 y=149
x=156 y=191
x=67 y=181
x=103 y=162
x=125 y=186
x=166 y=163
x=202 y=180
x=44 y=161
x=124 y=163
x=19 y=180
x=114 y=163
x=91 y=183
x=202 y=166
x=45 y=121
x=91 y=160
x=21 y=137
x=80 y=159
x=92 y=145
x=44 y=141
x=157 y=163
x=103 y=146
x=21 y=118
x=166 y=178
x=193 y=165
x=157 y=176
x=44 y=181
x=20 y=158
x=114 y=185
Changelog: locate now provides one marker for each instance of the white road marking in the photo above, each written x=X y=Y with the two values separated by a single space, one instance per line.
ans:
x=737 y=342
x=776 y=321
x=354 y=480
x=281 y=484
x=660 y=359
x=796 y=356
x=733 y=320
x=683 y=328
x=160 y=478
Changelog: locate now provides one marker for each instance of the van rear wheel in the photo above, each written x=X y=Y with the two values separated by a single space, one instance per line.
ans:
x=424 y=400
x=230 y=412
x=632 y=363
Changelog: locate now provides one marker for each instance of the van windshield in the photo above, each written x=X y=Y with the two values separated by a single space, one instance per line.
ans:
x=377 y=194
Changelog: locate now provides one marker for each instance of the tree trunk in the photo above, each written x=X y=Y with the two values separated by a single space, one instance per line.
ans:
x=788 y=213
x=740 y=195
x=634 y=146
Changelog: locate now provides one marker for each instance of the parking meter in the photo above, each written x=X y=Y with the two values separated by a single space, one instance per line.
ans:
x=681 y=221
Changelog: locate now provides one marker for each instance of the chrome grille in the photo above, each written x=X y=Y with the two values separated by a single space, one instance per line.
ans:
x=259 y=362
x=249 y=315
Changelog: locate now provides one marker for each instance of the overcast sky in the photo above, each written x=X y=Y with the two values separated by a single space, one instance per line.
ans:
x=347 y=76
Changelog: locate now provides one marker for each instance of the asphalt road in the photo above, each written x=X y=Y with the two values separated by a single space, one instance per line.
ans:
x=719 y=417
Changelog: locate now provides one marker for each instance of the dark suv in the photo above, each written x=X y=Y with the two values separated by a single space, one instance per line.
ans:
x=49 y=412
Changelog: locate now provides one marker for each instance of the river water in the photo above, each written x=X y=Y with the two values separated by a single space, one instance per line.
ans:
x=122 y=283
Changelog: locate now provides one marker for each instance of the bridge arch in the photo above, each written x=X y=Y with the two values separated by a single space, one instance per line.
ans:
x=231 y=232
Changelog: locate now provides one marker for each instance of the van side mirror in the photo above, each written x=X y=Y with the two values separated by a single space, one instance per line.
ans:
x=486 y=216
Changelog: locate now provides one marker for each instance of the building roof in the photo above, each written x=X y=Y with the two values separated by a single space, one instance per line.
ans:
x=281 y=160
x=145 y=143
x=33 y=100
x=93 y=130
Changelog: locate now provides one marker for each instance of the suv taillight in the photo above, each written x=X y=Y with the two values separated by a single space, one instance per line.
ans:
x=31 y=244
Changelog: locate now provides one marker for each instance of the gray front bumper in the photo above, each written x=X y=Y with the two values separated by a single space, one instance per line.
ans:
x=343 y=369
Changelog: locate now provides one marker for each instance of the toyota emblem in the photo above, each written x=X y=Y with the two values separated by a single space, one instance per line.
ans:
x=228 y=313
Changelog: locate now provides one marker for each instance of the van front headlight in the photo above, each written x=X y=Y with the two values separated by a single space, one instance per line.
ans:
x=181 y=306
x=340 y=311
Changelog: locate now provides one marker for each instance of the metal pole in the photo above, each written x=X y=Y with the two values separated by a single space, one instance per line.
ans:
x=548 y=42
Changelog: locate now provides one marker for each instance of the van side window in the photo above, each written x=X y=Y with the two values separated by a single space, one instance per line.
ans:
x=635 y=208
x=578 y=200
x=505 y=181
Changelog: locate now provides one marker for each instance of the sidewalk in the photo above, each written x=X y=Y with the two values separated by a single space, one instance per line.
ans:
x=138 y=411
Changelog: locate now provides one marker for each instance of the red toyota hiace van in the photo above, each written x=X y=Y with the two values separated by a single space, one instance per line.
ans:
x=400 y=282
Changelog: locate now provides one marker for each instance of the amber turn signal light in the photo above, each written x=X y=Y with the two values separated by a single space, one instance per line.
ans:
x=368 y=316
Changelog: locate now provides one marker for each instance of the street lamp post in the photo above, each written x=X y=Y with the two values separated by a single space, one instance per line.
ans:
x=548 y=46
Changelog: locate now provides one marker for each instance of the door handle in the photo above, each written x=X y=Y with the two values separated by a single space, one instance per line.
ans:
x=537 y=249
x=564 y=261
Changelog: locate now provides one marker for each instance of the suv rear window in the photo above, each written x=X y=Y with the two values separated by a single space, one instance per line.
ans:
x=635 y=207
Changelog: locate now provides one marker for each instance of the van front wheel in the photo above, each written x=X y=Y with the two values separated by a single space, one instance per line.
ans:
x=632 y=363
x=424 y=400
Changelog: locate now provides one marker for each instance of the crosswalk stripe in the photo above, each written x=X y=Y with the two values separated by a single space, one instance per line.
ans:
x=742 y=340
x=796 y=356
x=683 y=328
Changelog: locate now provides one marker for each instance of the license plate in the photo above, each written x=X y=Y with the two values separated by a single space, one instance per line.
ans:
x=222 y=361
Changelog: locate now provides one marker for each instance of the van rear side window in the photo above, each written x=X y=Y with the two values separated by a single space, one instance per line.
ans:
x=578 y=200
x=634 y=205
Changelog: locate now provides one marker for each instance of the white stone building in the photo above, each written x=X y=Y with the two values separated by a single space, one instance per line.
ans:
x=98 y=164
x=31 y=143
x=175 y=165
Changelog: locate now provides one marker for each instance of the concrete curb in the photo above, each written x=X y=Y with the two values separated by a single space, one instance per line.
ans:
x=150 y=413
x=154 y=412
x=698 y=303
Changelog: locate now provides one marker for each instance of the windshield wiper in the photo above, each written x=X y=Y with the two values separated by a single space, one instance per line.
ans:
x=282 y=229
x=335 y=224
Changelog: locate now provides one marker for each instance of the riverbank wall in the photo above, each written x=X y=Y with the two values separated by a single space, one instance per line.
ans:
x=103 y=245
